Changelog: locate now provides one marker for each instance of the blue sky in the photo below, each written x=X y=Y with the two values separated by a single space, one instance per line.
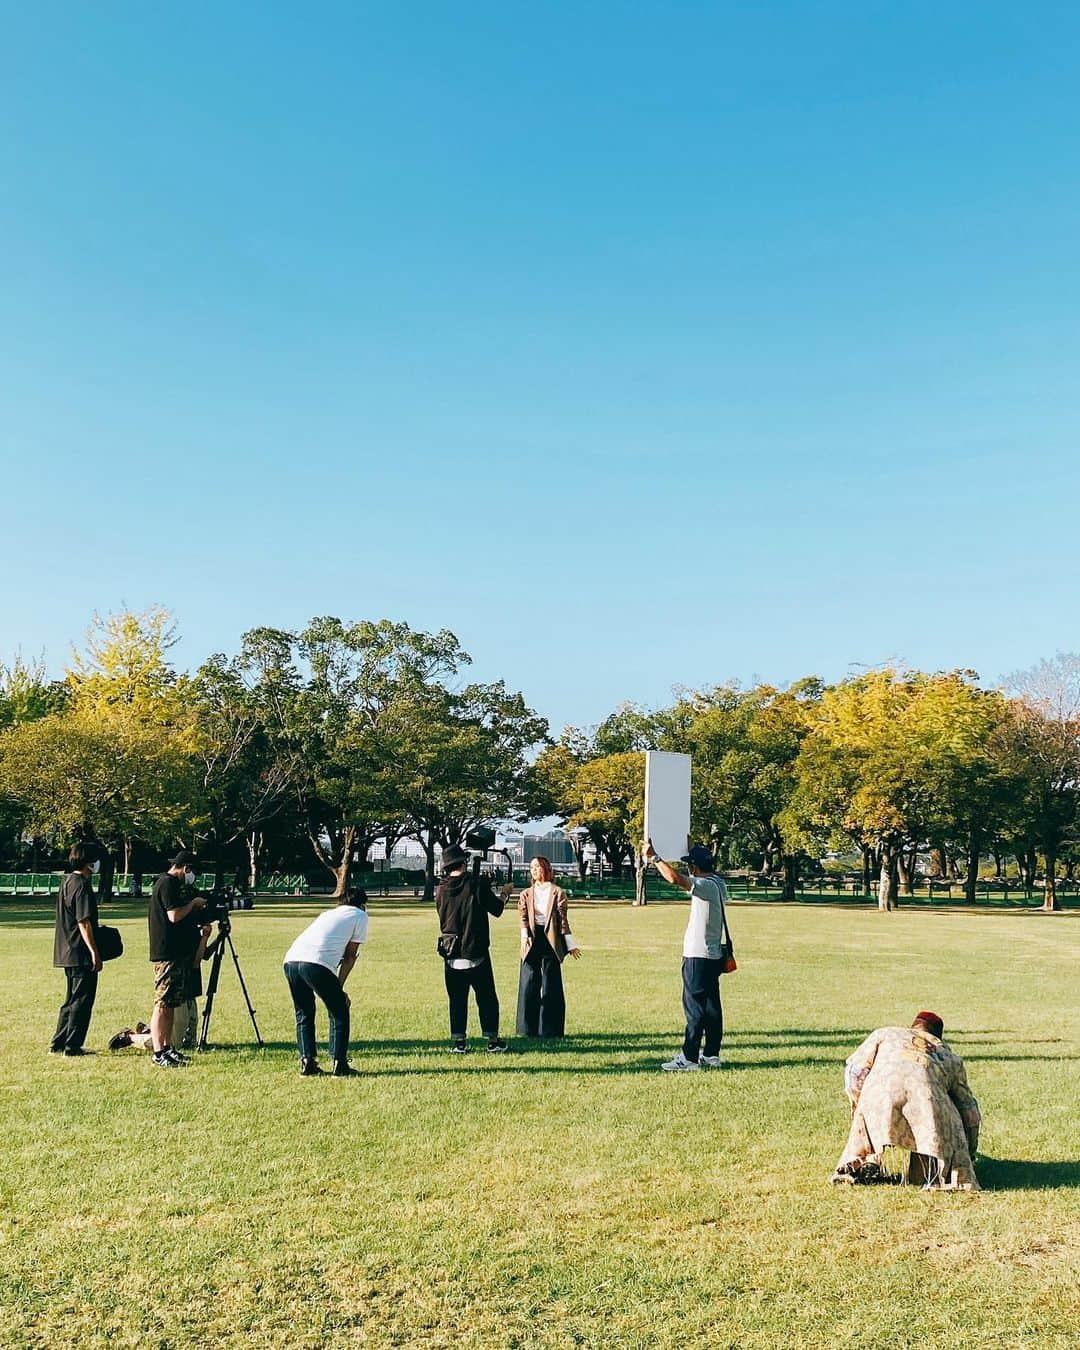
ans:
x=638 y=344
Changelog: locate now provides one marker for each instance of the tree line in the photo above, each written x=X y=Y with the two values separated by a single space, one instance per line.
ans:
x=306 y=748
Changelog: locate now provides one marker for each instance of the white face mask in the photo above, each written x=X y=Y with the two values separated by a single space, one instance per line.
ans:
x=95 y=867
x=189 y=877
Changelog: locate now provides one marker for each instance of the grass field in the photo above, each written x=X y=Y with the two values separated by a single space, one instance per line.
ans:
x=571 y=1196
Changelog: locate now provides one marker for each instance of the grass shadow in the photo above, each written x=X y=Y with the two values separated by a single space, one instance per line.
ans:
x=1017 y=1174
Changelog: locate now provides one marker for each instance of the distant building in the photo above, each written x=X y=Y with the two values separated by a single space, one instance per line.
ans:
x=554 y=846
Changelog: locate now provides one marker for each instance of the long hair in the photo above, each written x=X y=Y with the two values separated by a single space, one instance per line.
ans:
x=545 y=867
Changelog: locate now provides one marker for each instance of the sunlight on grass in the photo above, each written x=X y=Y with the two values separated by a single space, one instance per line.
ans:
x=567 y=1195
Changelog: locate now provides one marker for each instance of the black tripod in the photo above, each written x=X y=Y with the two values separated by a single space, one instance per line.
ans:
x=224 y=939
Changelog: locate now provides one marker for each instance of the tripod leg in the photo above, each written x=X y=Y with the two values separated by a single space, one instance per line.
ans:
x=243 y=990
x=211 y=990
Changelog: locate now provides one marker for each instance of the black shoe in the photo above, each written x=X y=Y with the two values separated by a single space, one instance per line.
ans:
x=309 y=1068
x=76 y=1053
x=343 y=1069
x=496 y=1047
x=460 y=1046
x=163 y=1059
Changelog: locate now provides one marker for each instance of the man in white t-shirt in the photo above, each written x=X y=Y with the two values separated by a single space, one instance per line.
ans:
x=318 y=963
x=703 y=959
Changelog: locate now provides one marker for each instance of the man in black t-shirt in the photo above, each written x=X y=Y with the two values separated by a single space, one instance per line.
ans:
x=174 y=939
x=75 y=951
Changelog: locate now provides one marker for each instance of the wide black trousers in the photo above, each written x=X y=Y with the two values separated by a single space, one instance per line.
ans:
x=541 y=1008
x=481 y=980
x=76 y=1009
x=701 y=1003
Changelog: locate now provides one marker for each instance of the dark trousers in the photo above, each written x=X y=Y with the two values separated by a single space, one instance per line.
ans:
x=481 y=980
x=306 y=979
x=701 y=1003
x=541 y=1009
x=76 y=1009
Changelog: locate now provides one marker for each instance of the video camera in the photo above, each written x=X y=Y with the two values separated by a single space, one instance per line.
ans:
x=480 y=839
x=223 y=901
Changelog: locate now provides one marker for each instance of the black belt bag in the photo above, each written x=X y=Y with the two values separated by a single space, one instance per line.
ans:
x=110 y=944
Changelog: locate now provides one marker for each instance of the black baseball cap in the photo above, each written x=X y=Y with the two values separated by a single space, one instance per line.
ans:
x=185 y=858
x=699 y=856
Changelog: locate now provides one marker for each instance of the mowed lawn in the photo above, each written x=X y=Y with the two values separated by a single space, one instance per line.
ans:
x=571 y=1196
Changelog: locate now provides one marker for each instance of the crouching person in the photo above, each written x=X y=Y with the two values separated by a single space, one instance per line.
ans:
x=318 y=964
x=909 y=1090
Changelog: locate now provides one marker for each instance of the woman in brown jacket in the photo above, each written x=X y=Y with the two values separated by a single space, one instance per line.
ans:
x=545 y=940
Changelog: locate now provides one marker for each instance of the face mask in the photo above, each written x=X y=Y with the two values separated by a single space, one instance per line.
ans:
x=95 y=867
x=189 y=877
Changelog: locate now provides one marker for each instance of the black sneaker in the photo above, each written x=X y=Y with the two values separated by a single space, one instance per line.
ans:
x=309 y=1068
x=496 y=1047
x=161 y=1060
x=342 y=1069
x=77 y=1053
x=460 y=1046
x=177 y=1058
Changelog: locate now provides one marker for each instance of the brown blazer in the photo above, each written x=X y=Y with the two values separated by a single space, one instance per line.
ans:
x=557 y=926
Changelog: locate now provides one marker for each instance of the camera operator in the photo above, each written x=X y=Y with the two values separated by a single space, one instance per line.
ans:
x=75 y=951
x=464 y=944
x=174 y=939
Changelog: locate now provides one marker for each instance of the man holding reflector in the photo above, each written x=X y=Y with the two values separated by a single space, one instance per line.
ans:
x=704 y=957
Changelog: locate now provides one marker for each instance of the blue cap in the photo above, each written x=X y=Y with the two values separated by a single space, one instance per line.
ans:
x=700 y=856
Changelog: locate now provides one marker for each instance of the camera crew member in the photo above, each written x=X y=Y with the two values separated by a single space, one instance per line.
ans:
x=464 y=944
x=174 y=940
x=75 y=951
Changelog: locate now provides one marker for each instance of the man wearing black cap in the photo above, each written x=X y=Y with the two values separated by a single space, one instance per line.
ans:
x=174 y=939
x=702 y=958
x=464 y=944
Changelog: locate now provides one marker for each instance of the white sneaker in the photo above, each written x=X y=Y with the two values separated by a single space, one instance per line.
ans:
x=711 y=1062
x=680 y=1064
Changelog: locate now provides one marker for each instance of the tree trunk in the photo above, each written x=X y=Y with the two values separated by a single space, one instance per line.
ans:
x=973 y=854
x=640 y=897
x=791 y=876
x=107 y=873
x=127 y=857
x=254 y=841
x=1050 y=893
x=1026 y=862
x=429 y=867
x=939 y=864
x=889 y=880
x=866 y=869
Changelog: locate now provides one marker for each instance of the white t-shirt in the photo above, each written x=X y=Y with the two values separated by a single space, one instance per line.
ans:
x=705 y=926
x=324 y=940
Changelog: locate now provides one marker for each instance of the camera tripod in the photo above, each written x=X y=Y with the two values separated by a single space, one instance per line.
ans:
x=223 y=940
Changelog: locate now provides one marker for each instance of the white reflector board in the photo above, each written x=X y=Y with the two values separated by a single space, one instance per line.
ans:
x=667 y=802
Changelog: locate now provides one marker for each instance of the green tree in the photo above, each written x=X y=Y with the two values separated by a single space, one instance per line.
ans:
x=611 y=790
x=1044 y=737
x=745 y=745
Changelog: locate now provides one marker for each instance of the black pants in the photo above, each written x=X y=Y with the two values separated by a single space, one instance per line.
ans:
x=701 y=1003
x=541 y=1009
x=306 y=979
x=76 y=1009
x=481 y=980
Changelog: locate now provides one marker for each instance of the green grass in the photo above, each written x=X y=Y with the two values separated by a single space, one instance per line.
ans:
x=571 y=1196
